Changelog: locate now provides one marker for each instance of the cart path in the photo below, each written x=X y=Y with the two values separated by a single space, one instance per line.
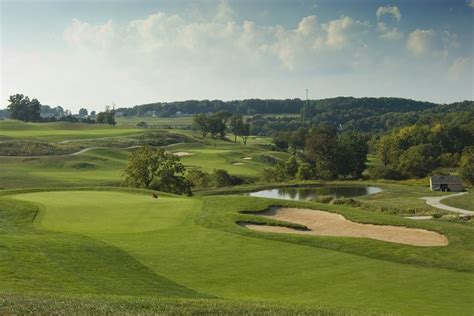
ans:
x=435 y=201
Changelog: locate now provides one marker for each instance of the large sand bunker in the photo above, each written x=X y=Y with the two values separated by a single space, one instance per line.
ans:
x=182 y=153
x=329 y=224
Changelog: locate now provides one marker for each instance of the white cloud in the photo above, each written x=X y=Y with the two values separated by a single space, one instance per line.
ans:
x=385 y=31
x=420 y=42
x=83 y=35
x=394 y=11
x=458 y=68
x=342 y=31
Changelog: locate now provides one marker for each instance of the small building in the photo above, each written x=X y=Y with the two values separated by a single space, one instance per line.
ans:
x=446 y=183
x=150 y=113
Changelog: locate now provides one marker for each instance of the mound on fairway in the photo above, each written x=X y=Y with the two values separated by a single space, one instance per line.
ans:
x=329 y=224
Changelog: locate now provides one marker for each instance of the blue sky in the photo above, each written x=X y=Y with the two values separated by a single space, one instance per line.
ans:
x=92 y=53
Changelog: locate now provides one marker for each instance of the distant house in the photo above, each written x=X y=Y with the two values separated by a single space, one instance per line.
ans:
x=445 y=183
x=150 y=113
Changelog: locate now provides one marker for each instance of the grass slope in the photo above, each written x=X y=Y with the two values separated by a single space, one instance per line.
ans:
x=465 y=201
x=202 y=249
x=36 y=260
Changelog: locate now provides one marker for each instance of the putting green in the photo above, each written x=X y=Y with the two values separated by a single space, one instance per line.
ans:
x=90 y=212
x=163 y=236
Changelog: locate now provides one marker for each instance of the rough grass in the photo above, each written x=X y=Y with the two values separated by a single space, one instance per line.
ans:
x=465 y=201
x=218 y=258
x=110 y=305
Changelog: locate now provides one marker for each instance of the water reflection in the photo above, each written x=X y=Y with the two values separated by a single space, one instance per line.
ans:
x=305 y=194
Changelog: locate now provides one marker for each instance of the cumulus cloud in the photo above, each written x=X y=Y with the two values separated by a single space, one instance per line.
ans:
x=342 y=31
x=385 y=31
x=458 y=68
x=388 y=33
x=219 y=39
x=420 y=42
x=428 y=42
x=83 y=35
x=394 y=11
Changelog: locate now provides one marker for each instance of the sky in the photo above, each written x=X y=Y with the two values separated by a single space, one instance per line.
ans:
x=96 y=53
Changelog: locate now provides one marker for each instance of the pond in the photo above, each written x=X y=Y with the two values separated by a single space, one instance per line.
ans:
x=310 y=193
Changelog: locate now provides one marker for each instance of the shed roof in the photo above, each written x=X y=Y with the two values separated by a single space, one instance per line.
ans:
x=445 y=179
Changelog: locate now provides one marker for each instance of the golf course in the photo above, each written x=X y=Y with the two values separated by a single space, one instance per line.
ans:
x=72 y=239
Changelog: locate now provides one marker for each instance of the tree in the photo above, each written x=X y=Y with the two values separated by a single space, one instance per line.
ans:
x=304 y=172
x=155 y=169
x=107 y=117
x=352 y=150
x=83 y=112
x=467 y=165
x=236 y=125
x=418 y=161
x=21 y=108
x=321 y=149
x=199 y=178
x=100 y=117
x=280 y=140
x=216 y=125
x=202 y=123
x=298 y=139
x=245 y=133
x=291 y=166
x=388 y=150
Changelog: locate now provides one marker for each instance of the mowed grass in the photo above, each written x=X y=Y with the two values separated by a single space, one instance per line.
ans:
x=185 y=242
x=104 y=166
x=465 y=201
x=60 y=131
x=225 y=155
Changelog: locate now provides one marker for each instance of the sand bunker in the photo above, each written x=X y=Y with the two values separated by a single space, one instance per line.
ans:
x=182 y=153
x=238 y=164
x=247 y=158
x=330 y=224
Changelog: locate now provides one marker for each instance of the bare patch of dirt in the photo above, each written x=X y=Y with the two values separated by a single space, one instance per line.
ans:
x=182 y=153
x=322 y=223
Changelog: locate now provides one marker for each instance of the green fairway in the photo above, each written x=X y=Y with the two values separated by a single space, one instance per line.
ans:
x=213 y=257
x=60 y=131
x=104 y=166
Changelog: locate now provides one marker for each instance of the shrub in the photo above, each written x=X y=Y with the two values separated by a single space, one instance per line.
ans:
x=222 y=178
x=142 y=124
x=324 y=199
x=304 y=172
x=199 y=178
x=346 y=201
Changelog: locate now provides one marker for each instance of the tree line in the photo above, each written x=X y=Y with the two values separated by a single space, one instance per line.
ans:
x=320 y=152
x=218 y=123
x=416 y=151
x=21 y=108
